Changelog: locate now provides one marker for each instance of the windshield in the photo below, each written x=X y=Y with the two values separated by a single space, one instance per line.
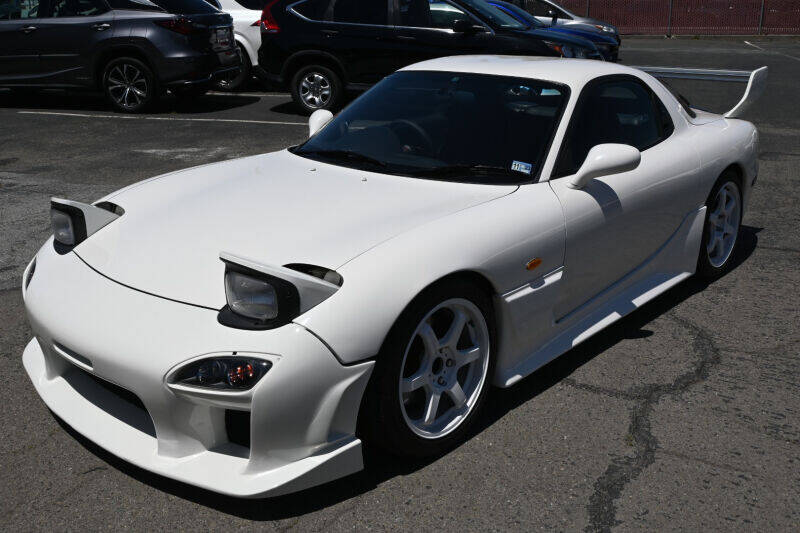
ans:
x=471 y=128
x=494 y=16
x=518 y=13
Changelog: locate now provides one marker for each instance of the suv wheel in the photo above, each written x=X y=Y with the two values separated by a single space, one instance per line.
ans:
x=316 y=87
x=129 y=84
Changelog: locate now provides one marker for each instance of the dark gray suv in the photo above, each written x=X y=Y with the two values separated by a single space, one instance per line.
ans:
x=131 y=49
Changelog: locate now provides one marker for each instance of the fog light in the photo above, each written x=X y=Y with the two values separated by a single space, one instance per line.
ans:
x=222 y=373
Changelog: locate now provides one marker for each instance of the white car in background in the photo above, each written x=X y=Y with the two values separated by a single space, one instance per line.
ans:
x=242 y=326
x=247 y=32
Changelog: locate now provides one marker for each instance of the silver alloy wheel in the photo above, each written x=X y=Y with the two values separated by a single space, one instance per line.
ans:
x=315 y=90
x=723 y=224
x=442 y=376
x=127 y=85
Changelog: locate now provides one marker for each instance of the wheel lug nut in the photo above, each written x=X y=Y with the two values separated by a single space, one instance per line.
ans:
x=450 y=362
x=441 y=381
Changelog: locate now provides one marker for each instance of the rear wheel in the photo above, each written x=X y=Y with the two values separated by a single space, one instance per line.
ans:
x=316 y=87
x=129 y=85
x=721 y=231
x=432 y=377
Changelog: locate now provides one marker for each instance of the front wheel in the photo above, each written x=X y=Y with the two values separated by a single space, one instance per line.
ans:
x=432 y=377
x=129 y=85
x=316 y=87
x=722 y=226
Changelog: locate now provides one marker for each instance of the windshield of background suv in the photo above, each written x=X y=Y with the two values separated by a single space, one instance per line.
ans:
x=472 y=128
x=518 y=13
x=493 y=16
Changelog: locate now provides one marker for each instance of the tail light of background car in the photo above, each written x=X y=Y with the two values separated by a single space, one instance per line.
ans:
x=268 y=21
x=180 y=25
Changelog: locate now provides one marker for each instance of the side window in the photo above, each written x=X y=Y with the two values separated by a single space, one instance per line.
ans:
x=537 y=8
x=616 y=111
x=76 y=8
x=312 y=9
x=359 y=12
x=429 y=14
x=23 y=9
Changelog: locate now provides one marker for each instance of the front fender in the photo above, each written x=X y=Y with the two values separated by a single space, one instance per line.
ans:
x=496 y=239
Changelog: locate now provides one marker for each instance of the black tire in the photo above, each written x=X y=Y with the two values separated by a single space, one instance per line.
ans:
x=382 y=419
x=714 y=263
x=231 y=83
x=327 y=90
x=134 y=74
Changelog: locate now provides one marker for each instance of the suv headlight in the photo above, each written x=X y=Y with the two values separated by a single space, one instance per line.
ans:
x=566 y=50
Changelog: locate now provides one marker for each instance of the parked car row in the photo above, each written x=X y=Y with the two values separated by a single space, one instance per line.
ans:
x=135 y=50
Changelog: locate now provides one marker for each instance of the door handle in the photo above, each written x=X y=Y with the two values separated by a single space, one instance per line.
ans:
x=101 y=27
x=405 y=38
x=330 y=33
x=28 y=29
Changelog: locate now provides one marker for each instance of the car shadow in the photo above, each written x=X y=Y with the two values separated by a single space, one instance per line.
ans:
x=62 y=100
x=381 y=467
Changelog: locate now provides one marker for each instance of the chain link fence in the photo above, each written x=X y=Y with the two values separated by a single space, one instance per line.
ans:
x=694 y=17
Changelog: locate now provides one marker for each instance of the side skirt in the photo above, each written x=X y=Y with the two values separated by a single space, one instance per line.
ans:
x=676 y=261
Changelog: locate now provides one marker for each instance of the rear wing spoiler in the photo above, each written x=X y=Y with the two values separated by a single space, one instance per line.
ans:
x=756 y=82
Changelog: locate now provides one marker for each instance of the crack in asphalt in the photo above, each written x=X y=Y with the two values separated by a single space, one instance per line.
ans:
x=622 y=470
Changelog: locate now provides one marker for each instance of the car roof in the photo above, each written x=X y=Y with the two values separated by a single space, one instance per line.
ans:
x=572 y=72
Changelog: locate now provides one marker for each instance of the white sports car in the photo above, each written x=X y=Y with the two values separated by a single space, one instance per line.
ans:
x=243 y=326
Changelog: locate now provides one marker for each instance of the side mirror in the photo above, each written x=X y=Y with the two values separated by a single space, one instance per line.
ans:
x=467 y=27
x=604 y=160
x=553 y=14
x=318 y=120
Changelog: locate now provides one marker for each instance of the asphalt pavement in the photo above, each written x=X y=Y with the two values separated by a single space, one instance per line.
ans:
x=682 y=416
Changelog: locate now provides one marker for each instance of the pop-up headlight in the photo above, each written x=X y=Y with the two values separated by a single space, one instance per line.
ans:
x=263 y=296
x=250 y=296
x=74 y=222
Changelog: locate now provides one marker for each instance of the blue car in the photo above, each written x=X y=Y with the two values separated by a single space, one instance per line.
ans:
x=607 y=45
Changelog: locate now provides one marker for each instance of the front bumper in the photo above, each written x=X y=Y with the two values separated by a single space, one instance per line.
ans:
x=302 y=413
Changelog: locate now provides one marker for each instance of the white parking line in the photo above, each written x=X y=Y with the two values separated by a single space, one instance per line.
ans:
x=771 y=51
x=133 y=117
x=271 y=95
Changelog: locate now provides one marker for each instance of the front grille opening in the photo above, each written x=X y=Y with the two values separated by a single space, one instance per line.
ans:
x=118 y=402
x=237 y=426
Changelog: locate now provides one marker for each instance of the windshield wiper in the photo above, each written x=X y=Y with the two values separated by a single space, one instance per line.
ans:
x=346 y=154
x=461 y=170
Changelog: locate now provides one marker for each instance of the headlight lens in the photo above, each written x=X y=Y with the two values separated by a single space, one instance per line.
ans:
x=222 y=373
x=607 y=29
x=63 y=230
x=251 y=297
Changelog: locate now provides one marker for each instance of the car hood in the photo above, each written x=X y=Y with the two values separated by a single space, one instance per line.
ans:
x=274 y=209
x=558 y=36
x=584 y=31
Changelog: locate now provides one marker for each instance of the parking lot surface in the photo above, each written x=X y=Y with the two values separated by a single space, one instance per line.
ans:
x=685 y=415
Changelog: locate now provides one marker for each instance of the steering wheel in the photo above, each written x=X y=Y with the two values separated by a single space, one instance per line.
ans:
x=421 y=134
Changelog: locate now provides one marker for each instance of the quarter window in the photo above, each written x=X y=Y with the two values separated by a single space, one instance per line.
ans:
x=621 y=111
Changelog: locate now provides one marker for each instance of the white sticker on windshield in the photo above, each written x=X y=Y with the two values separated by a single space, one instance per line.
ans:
x=519 y=166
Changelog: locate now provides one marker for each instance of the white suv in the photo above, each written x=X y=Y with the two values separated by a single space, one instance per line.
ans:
x=247 y=31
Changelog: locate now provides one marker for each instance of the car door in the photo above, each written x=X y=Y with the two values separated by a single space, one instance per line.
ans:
x=424 y=29
x=357 y=33
x=70 y=35
x=20 y=40
x=616 y=222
